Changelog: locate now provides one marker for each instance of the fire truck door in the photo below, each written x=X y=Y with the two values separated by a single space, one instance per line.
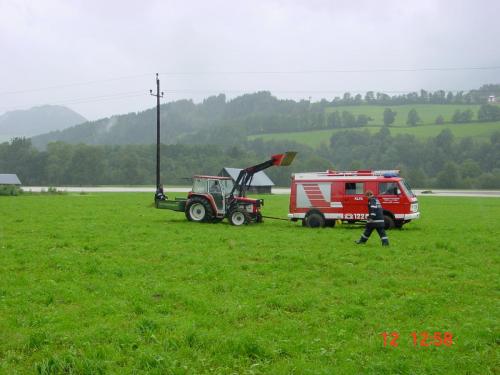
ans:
x=389 y=194
x=355 y=207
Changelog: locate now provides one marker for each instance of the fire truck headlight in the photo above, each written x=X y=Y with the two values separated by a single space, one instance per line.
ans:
x=414 y=207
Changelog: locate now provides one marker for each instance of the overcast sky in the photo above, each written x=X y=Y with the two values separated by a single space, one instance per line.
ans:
x=99 y=57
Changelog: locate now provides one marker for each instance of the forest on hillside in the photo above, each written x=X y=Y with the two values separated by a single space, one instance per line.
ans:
x=442 y=161
x=218 y=120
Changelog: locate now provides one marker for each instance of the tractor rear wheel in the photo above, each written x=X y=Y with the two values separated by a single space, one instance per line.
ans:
x=199 y=210
x=238 y=217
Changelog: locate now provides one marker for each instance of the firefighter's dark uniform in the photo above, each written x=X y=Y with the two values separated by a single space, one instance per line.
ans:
x=375 y=221
x=160 y=195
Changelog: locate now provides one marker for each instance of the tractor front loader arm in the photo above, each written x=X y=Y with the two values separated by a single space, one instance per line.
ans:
x=246 y=175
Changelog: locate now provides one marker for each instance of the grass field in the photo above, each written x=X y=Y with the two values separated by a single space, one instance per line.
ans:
x=104 y=283
x=478 y=131
x=427 y=112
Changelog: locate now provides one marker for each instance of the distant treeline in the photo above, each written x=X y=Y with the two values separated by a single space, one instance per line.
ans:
x=442 y=161
x=437 y=162
x=479 y=96
x=217 y=120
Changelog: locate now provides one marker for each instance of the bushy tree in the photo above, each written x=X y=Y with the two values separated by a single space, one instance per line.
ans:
x=362 y=120
x=413 y=117
x=439 y=120
x=348 y=119
x=389 y=116
x=488 y=112
x=460 y=117
x=449 y=176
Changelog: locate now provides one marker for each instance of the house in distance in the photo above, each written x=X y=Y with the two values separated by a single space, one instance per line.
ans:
x=261 y=183
x=9 y=180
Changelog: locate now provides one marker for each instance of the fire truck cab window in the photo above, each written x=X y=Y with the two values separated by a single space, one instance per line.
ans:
x=353 y=188
x=388 y=188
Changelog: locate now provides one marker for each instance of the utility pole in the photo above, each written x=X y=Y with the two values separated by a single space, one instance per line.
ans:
x=158 y=96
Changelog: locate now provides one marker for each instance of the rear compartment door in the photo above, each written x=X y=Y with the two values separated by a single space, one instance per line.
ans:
x=355 y=207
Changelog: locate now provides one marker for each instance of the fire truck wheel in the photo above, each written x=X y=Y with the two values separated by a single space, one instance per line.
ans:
x=238 y=217
x=315 y=220
x=389 y=222
x=330 y=223
x=399 y=223
x=199 y=210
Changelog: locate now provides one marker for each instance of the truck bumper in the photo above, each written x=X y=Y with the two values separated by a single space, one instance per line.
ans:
x=412 y=216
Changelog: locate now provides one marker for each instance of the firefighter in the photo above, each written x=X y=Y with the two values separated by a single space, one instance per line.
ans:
x=160 y=195
x=375 y=220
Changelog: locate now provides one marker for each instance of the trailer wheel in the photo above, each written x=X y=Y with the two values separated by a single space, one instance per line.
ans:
x=315 y=220
x=199 y=210
x=238 y=217
x=388 y=222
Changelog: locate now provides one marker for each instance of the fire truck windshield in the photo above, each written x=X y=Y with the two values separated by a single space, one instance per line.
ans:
x=407 y=189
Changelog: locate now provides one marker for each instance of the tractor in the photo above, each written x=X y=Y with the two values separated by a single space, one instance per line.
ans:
x=214 y=198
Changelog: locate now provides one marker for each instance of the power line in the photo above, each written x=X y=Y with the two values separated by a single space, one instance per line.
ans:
x=335 y=71
x=61 y=86
x=263 y=72
x=92 y=99
x=135 y=94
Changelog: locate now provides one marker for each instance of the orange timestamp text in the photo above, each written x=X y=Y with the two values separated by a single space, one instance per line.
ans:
x=420 y=339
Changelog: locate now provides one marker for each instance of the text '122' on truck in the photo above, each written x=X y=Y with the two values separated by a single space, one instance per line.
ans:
x=319 y=199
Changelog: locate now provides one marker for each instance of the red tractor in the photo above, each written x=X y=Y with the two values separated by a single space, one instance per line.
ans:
x=213 y=198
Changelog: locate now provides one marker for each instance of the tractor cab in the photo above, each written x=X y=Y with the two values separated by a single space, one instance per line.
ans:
x=215 y=188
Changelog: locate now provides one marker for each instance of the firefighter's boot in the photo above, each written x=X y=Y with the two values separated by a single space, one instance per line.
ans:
x=361 y=241
x=385 y=241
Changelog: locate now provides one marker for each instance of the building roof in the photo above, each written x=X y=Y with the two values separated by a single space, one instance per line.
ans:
x=259 y=179
x=9 y=179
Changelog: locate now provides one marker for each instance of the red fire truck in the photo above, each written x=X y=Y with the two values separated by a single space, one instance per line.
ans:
x=321 y=198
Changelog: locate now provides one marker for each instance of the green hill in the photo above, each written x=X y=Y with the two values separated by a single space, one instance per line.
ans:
x=427 y=112
x=478 y=131
x=426 y=127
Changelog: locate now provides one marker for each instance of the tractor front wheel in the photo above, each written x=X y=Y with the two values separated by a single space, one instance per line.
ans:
x=238 y=217
x=199 y=210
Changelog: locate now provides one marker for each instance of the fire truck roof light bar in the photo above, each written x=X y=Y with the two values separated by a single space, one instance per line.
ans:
x=361 y=172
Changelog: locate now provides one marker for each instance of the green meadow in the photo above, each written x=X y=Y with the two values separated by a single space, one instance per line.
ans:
x=105 y=283
x=426 y=112
x=425 y=129
x=478 y=131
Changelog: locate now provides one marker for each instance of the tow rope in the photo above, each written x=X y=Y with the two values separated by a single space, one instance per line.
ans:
x=274 y=218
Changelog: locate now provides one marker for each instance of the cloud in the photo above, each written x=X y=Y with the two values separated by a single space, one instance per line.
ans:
x=57 y=42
